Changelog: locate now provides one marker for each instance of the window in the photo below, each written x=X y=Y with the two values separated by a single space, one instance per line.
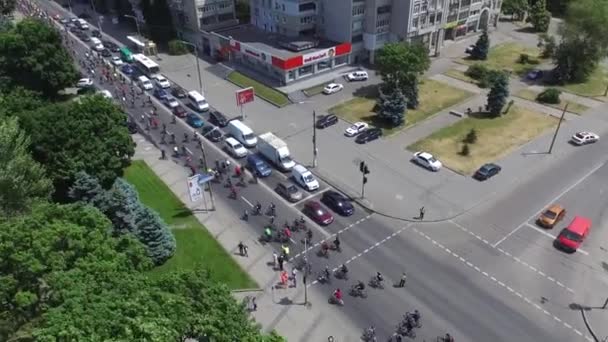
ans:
x=382 y=22
x=357 y=25
x=283 y=6
x=356 y=39
x=416 y=8
x=358 y=10
x=225 y=17
x=415 y=23
x=384 y=9
x=283 y=20
x=309 y=19
x=305 y=70
x=309 y=6
x=257 y=12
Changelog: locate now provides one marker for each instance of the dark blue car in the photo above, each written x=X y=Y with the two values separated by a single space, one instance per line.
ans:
x=338 y=203
x=194 y=120
x=258 y=165
x=160 y=94
x=127 y=69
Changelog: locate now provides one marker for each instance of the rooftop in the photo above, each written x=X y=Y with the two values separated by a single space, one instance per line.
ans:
x=274 y=43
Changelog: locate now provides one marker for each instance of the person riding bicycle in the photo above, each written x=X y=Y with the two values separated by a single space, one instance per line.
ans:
x=416 y=316
x=343 y=269
x=287 y=232
x=309 y=234
x=448 y=338
x=326 y=272
x=337 y=242
x=360 y=286
x=379 y=277
x=268 y=232
x=338 y=294
x=258 y=207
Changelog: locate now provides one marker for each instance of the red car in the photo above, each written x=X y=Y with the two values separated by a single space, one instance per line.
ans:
x=180 y=112
x=571 y=238
x=318 y=213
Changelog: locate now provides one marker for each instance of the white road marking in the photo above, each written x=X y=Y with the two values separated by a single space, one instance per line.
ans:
x=562 y=193
x=246 y=201
x=508 y=288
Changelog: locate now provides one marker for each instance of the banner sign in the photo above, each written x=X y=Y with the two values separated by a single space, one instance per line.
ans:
x=244 y=96
x=194 y=189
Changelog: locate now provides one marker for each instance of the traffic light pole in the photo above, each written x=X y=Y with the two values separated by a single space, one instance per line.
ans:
x=364 y=172
x=314 y=139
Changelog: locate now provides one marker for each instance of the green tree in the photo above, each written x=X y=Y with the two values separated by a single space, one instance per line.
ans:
x=497 y=97
x=86 y=135
x=517 y=8
x=19 y=100
x=7 y=6
x=548 y=45
x=539 y=16
x=392 y=107
x=557 y=7
x=400 y=65
x=32 y=56
x=482 y=46
x=22 y=179
x=158 y=23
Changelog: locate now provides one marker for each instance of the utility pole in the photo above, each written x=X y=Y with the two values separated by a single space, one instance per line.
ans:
x=364 y=172
x=198 y=68
x=314 y=139
x=305 y=272
x=95 y=13
x=136 y=23
x=206 y=168
x=559 y=124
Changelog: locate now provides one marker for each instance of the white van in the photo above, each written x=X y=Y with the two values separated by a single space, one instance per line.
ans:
x=304 y=177
x=82 y=24
x=96 y=44
x=197 y=101
x=242 y=133
x=145 y=83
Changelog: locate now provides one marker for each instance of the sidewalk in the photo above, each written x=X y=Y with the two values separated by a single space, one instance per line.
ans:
x=282 y=310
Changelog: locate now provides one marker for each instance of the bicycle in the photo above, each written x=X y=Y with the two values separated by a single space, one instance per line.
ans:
x=369 y=334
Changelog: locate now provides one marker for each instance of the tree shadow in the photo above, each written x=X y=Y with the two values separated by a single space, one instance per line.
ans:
x=526 y=29
x=605 y=266
x=368 y=91
x=183 y=212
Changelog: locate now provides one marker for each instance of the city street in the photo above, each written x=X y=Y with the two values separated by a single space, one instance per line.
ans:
x=478 y=266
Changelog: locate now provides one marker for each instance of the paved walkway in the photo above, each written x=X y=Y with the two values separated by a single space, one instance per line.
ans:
x=278 y=309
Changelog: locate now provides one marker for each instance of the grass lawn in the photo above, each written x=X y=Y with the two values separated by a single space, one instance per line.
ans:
x=267 y=93
x=315 y=90
x=496 y=137
x=573 y=107
x=460 y=75
x=594 y=87
x=195 y=245
x=433 y=96
x=506 y=56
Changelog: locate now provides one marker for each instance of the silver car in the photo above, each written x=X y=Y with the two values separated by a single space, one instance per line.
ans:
x=290 y=191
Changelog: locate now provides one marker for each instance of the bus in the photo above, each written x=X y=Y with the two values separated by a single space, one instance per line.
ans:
x=145 y=64
x=126 y=54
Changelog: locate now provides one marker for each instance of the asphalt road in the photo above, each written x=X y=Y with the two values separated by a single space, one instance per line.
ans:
x=455 y=283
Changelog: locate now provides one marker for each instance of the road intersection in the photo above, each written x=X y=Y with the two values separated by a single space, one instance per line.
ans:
x=482 y=271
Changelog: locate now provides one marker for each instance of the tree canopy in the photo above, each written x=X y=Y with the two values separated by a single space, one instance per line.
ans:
x=7 y=6
x=540 y=17
x=32 y=56
x=497 y=97
x=158 y=23
x=515 y=7
x=22 y=179
x=86 y=135
x=392 y=107
x=482 y=46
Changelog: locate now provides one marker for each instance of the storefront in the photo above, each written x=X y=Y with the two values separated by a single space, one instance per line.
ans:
x=289 y=69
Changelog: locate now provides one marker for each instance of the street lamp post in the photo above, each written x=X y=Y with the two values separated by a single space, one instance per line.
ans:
x=96 y=14
x=315 y=151
x=198 y=68
x=136 y=23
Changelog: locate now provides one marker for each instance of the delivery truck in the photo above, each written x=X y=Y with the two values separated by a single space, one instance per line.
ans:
x=275 y=150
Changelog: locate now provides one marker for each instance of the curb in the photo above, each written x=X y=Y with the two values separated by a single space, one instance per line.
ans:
x=260 y=96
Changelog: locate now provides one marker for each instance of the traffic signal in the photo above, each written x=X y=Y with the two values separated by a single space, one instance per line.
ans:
x=364 y=180
x=362 y=166
x=366 y=170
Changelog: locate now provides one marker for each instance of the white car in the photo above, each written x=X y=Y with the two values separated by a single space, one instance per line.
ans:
x=161 y=81
x=171 y=102
x=84 y=82
x=355 y=129
x=584 y=138
x=117 y=61
x=357 y=76
x=235 y=148
x=332 y=88
x=427 y=160
x=105 y=93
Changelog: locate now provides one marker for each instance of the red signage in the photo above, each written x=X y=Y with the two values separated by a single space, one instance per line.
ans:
x=244 y=96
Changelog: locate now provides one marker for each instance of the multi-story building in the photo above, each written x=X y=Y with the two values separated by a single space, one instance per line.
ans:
x=193 y=16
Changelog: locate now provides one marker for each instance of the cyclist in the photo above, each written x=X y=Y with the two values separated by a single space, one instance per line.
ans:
x=233 y=191
x=379 y=277
x=448 y=338
x=257 y=208
x=343 y=269
x=338 y=295
x=337 y=242
x=309 y=235
x=246 y=215
x=287 y=232
x=268 y=233
x=360 y=286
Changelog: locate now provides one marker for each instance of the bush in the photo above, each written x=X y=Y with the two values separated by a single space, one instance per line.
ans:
x=490 y=77
x=177 y=48
x=477 y=71
x=471 y=137
x=550 y=95
x=465 y=150
x=524 y=58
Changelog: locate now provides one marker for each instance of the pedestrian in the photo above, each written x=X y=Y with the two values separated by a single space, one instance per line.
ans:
x=271 y=219
x=421 y=213
x=275 y=259
x=246 y=251
x=164 y=128
x=293 y=276
x=403 y=279
x=254 y=305
x=281 y=260
x=241 y=248
x=162 y=154
x=192 y=171
x=237 y=170
x=284 y=277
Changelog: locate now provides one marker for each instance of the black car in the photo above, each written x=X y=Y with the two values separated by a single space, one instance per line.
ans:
x=212 y=133
x=178 y=92
x=106 y=53
x=327 y=120
x=131 y=126
x=96 y=34
x=338 y=203
x=368 y=135
x=84 y=37
x=487 y=171
x=218 y=118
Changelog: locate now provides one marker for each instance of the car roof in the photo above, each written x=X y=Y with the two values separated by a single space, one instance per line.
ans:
x=556 y=208
x=313 y=204
x=579 y=224
x=425 y=155
x=231 y=141
x=332 y=85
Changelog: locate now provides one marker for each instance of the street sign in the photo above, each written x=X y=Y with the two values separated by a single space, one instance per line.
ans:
x=194 y=189
x=244 y=96
x=205 y=177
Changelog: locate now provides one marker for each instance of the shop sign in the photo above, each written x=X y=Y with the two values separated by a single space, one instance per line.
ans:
x=317 y=56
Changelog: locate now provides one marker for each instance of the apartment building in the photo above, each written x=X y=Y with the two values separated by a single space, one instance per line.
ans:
x=369 y=24
x=193 y=16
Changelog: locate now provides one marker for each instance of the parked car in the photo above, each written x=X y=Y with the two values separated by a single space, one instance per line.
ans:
x=257 y=164
x=368 y=135
x=486 y=171
x=289 y=191
x=338 y=203
x=171 y=102
x=212 y=133
x=332 y=88
x=84 y=83
x=105 y=93
x=96 y=34
x=235 y=148
x=180 y=111
x=469 y=49
x=357 y=76
x=106 y=53
x=117 y=61
x=160 y=94
x=355 y=129
x=179 y=92
x=534 y=75
x=161 y=81
x=194 y=120
x=551 y=216
x=318 y=213
x=584 y=138
x=571 y=237
x=218 y=118
x=127 y=69
x=427 y=160
x=326 y=121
